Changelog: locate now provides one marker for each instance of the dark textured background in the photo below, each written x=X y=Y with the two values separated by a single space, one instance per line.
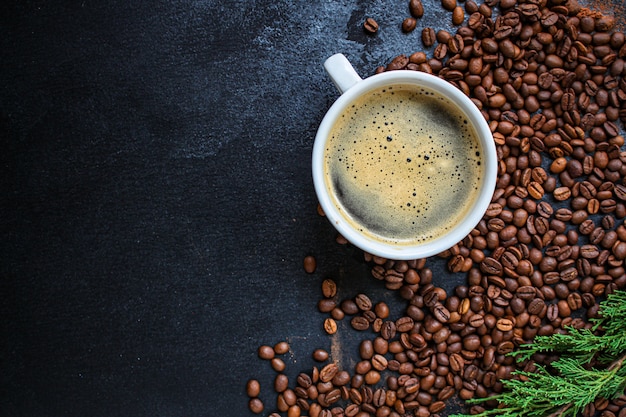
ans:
x=157 y=200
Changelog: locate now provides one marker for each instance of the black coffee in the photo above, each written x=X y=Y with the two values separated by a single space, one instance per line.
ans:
x=403 y=164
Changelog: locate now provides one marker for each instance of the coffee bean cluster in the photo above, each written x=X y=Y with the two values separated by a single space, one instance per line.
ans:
x=548 y=76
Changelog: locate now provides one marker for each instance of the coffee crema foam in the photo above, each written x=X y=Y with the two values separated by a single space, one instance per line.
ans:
x=403 y=164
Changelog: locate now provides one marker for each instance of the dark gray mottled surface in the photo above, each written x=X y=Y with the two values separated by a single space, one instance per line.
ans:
x=157 y=200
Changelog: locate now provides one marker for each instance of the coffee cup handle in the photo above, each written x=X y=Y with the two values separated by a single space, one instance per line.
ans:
x=341 y=72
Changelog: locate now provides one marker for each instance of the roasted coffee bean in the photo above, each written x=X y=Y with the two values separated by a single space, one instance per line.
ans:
x=471 y=342
x=448 y=4
x=477 y=303
x=352 y=410
x=328 y=372
x=504 y=325
x=326 y=305
x=370 y=26
x=329 y=288
x=366 y=349
x=304 y=380
x=586 y=227
x=471 y=372
x=431 y=298
x=552 y=312
x=388 y=330
x=575 y=301
x=441 y=313
x=417 y=341
x=253 y=388
x=349 y=307
x=369 y=315
x=381 y=346
x=359 y=323
x=437 y=407
x=457 y=363
x=491 y=266
x=589 y=251
x=379 y=397
x=320 y=355
x=536 y=306
x=442 y=336
x=416 y=8
x=525 y=292
x=409 y=24
x=281 y=383
x=309 y=264
x=330 y=325
x=333 y=396
x=562 y=193
x=363 y=302
x=256 y=405
x=278 y=364
x=379 y=362
x=337 y=314
x=504 y=348
x=382 y=310
x=458 y=15
x=568 y=274
x=266 y=352
x=428 y=37
x=544 y=209
x=281 y=348
x=476 y=320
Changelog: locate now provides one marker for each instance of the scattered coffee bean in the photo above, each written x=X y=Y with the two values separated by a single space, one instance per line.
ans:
x=363 y=302
x=349 y=307
x=281 y=383
x=278 y=364
x=253 y=388
x=329 y=288
x=382 y=310
x=428 y=37
x=416 y=8
x=256 y=405
x=458 y=15
x=448 y=4
x=281 y=348
x=328 y=372
x=266 y=352
x=370 y=26
x=409 y=24
x=330 y=326
x=360 y=323
x=310 y=264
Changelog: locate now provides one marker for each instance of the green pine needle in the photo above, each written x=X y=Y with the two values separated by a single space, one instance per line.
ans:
x=582 y=344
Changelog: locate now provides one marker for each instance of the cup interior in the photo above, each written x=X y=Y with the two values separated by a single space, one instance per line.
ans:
x=479 y=204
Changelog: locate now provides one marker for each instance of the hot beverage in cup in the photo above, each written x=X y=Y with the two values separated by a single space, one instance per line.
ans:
x=403 y=165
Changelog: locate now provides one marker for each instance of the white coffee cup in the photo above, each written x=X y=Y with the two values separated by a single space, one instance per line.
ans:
x=351 y=87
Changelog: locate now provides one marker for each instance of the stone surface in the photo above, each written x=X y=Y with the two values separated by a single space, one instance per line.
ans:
x=157 y=198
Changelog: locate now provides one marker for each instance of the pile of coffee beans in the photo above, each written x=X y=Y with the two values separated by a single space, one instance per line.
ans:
x=548 y=76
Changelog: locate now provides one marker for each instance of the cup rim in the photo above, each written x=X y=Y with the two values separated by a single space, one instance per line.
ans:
x=480 y=204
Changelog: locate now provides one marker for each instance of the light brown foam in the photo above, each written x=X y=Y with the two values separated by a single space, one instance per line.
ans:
x=404 y=164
